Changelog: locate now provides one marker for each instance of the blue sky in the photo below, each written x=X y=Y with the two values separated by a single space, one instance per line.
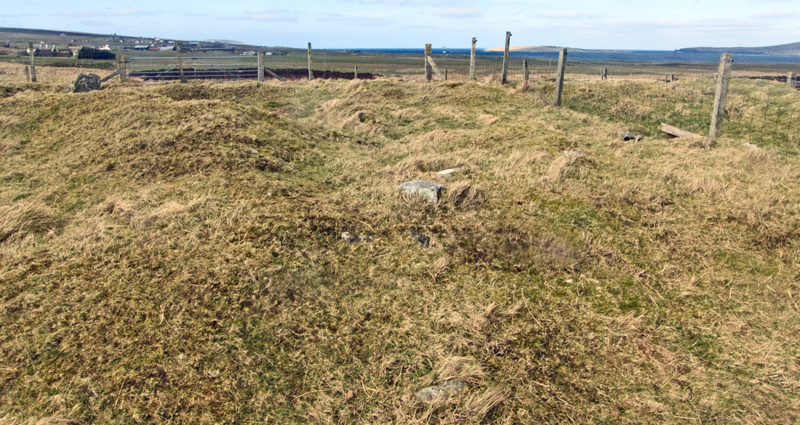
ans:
x=615 y=24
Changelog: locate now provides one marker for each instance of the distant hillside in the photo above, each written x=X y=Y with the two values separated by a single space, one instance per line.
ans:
x=781 y=49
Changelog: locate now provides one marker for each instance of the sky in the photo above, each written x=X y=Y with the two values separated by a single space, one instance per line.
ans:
x=596 y=24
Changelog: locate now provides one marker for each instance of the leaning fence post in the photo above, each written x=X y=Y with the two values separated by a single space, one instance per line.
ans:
x=33 y=62
x=722 y=94
x=27 y=74
x=790 y=79
x=310 y=72
x=428 y=68
x=260 y=66
x=472 y=60
x=505 y=57
x=562 y=63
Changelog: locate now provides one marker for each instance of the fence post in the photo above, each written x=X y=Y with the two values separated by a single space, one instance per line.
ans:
x=525 y=74
x=180 y=60
x=790 y=79
x=33 y=62
x=605 y=73
x=722 y=94
x=472 y=60
x=445 y=74
x=355 y=76
x=260 y=66
x=310 y=72
x=123 y=68
x=505 y=57
x=428 y=68
x=562 y=63
x=27 y=74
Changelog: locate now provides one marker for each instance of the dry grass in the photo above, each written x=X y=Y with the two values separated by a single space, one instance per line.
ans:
x=172 y=254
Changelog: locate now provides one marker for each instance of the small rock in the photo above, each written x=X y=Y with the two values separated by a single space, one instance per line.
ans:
x=750 y=145
x=86 y=82
x=630 y=136
x=573 y=153
x=448 y=171
x=353 y=238
x=440 y=393
x=430 y=191
x=423 y=240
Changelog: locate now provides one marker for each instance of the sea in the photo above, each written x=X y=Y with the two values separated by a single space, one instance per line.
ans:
x=657 y=56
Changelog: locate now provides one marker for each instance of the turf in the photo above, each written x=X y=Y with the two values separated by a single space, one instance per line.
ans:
x=172 y=253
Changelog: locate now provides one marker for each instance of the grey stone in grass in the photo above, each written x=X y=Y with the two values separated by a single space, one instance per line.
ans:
x=441 y=393
x=354 y=238
x=423 y=240
x=429 y=191
x=86 y=82
x=631 y=136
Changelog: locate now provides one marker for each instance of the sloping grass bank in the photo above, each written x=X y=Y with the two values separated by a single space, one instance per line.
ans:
x=172 y=253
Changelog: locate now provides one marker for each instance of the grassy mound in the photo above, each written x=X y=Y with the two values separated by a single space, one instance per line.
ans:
x=173 y=253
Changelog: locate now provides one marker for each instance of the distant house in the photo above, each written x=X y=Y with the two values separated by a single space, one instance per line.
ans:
x=167 y=48
x=106 y=48
x=140 y=47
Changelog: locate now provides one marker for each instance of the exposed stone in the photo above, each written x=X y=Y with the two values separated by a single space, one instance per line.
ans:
x=573 y=153
x=750 y=145
x=429 y=191
x=86 y=82
x=423 y=240
x=353 y=238
x=441 y=393
x=630 y=136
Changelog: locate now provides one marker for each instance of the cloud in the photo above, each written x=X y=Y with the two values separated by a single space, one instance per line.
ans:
x=776 y=14
x=386 y=2
x=94 y=22
x=104 y=12
x=350 y=20
x=571 y=15
x=454 y=12
x=272 y=15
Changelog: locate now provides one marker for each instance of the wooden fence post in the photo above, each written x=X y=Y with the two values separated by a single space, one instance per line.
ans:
x=260 y=66
x=445 y=74
x=605 y=73
x=722 y=94
x=428 y=68
x=180 y=61
x=33 y=62
x=355 y=76
x=790 y=79
x=27 y=74
x=123 y=68
x=562 y=63
x=472 y=60
x=310 y=72
x=525 y=74
x=505 y=58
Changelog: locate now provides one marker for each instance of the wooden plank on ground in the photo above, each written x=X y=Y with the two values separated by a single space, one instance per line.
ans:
x=677 y=132
x=110 y=76
x=269 y=71
x=435 y=68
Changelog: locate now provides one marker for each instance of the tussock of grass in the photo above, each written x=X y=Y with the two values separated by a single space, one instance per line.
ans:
x=173 y=253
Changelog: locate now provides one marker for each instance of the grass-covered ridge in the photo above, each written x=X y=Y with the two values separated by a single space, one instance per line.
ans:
x=172 y=253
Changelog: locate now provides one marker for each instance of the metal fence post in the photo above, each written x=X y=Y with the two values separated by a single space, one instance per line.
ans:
x=722 y=94
x=472 y=60
x=505 y=58
x=562 y=63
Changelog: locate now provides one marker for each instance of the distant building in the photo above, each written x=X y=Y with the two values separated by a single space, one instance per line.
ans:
x=140 y=47
x=167 y=48
x=104 y=48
